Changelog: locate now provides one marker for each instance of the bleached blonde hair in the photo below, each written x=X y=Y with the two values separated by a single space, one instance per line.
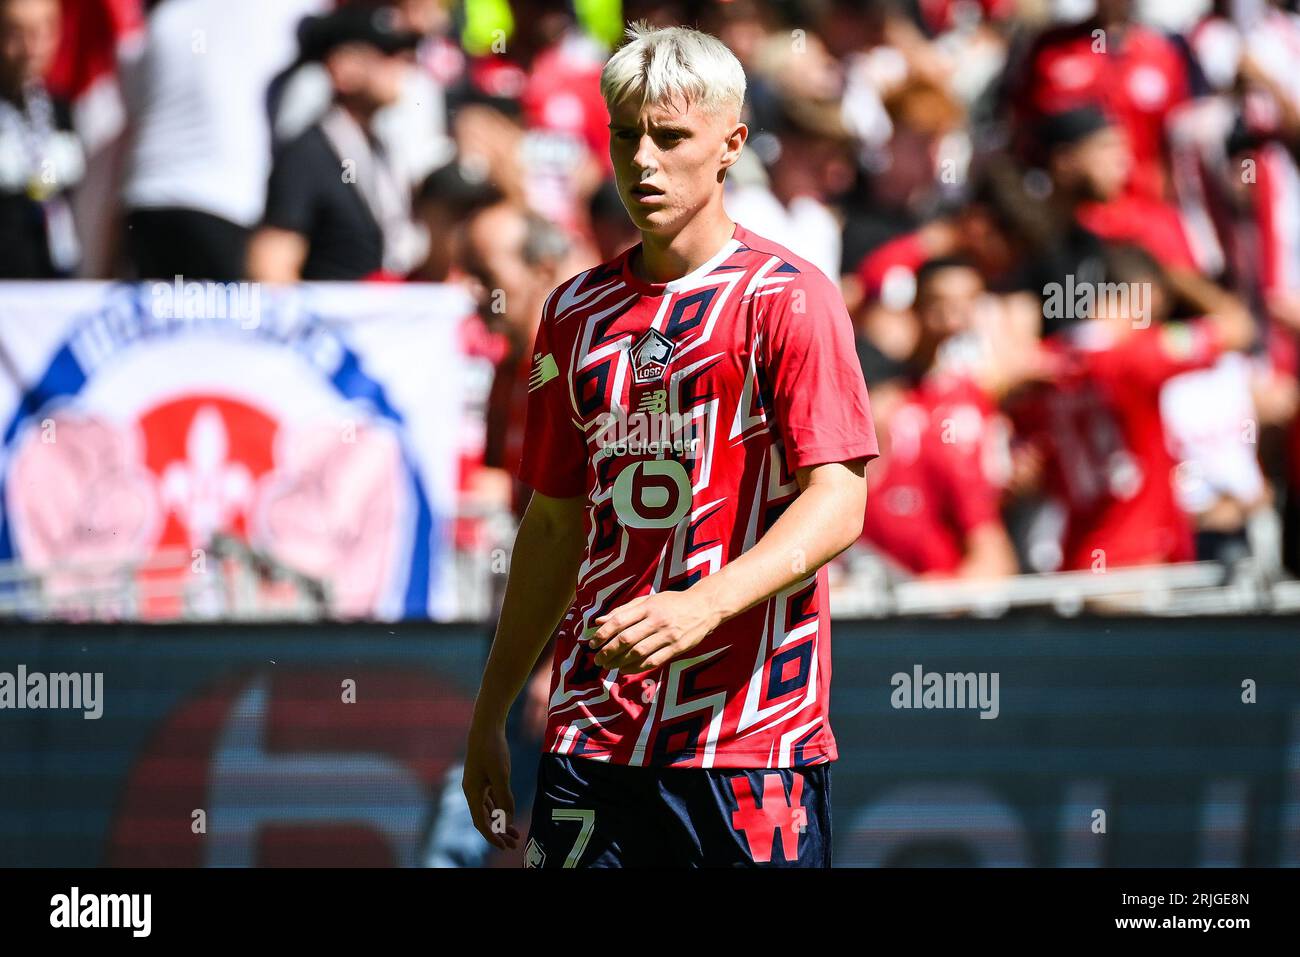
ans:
x=658 y=65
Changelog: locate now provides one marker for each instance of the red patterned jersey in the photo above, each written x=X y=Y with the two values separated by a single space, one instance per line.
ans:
x=681 y=412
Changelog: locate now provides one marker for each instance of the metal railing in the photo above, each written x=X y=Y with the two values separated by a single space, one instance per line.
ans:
x=231 y=581
x=228 y=581
x=865 y=586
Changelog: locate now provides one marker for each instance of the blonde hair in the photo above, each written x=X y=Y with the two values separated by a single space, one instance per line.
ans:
x=659 y=65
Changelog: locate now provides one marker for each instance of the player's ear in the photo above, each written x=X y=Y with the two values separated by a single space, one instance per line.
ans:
x=733 y=143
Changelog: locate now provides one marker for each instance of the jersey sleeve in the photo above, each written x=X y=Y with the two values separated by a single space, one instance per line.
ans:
x=815 y=382
x=1157 y=354
x=553 y=460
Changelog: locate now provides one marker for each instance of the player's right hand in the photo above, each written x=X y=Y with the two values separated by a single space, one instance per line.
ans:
x=486 y=784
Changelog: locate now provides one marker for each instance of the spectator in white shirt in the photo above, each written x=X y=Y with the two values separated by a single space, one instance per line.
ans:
x=201 y=153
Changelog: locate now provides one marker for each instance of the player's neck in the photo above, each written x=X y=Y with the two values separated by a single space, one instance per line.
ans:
x=665 y=258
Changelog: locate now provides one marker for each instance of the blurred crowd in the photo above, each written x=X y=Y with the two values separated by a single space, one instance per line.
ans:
x=1068 y=233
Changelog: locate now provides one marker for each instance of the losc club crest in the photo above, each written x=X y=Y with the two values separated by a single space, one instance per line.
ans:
x=650 y=357
x=534 y=856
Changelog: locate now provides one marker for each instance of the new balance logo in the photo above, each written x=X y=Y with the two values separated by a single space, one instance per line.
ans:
x=544 y=370
x=654 y=402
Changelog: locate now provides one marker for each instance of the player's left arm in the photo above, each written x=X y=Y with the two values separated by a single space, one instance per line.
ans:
x=820 y=407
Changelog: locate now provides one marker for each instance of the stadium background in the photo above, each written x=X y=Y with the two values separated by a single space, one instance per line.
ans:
x=231 y=499
x=1143 y=720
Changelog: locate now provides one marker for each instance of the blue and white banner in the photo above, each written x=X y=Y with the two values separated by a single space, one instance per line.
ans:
x=319 y=423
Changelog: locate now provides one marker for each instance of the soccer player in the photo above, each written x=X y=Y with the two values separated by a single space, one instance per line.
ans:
x=697 y=435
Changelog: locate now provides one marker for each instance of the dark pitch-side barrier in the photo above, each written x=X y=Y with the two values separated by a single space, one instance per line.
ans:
x=1116 y=742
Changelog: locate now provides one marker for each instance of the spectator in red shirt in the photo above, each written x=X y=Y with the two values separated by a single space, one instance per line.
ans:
x=547 y=74
x=514 y=257
x=996 y=230
x=1134 y=72
x=989 y=229
x=1098 y=424
x=1089 y=158
x=936 y=496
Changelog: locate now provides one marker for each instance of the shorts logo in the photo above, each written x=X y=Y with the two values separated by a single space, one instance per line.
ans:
x=534 y=856
x=761 y=821
x=650 y=357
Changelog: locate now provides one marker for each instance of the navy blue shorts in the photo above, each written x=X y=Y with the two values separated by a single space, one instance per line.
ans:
x=592 y=814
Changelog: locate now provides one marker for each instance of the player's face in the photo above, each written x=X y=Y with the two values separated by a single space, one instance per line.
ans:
x=670 y=160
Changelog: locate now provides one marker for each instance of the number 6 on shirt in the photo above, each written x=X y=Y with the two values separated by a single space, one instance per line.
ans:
x=652 y=494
